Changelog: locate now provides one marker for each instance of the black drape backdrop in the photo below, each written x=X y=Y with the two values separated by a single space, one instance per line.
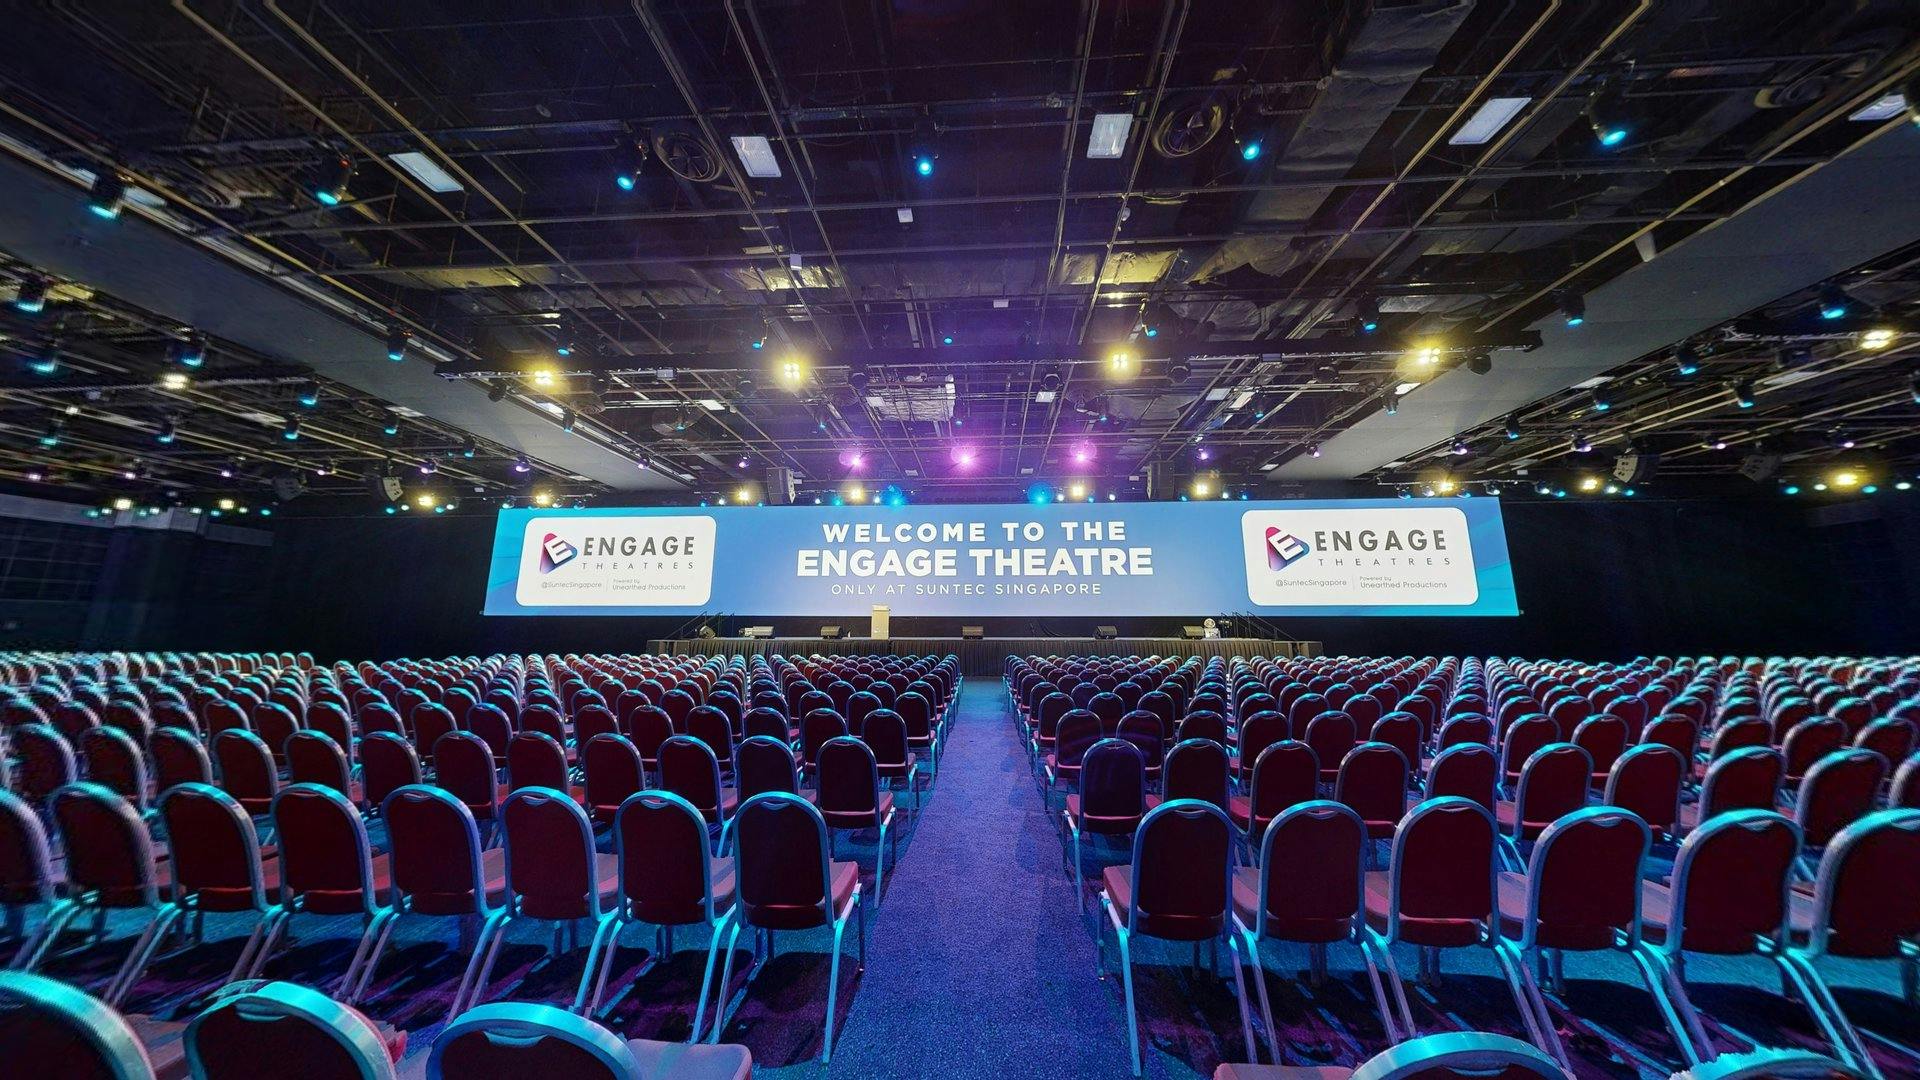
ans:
x=1595 y=580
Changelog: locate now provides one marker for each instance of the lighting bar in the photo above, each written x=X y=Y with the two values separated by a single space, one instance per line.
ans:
x=756 y=154
x=422 y=168
x=1486 y=121
x=1109 y=137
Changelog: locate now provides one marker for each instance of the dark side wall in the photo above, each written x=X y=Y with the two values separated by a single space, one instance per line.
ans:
x=1596 y=580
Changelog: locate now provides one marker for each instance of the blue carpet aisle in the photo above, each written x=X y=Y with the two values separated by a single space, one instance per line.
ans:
x=977 y=965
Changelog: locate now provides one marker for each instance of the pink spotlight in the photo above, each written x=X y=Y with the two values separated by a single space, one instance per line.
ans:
x=1082 y=455
x=964 y=457
x=853 y=459
x=1206 y=455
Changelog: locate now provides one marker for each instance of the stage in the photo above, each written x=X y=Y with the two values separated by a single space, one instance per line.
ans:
x=984 y=656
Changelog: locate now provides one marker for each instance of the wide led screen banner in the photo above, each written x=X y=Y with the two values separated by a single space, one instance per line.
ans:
x=1300 y=557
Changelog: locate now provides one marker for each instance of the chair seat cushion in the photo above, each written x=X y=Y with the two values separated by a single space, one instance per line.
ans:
x=681 y=1061
x=1104 y=824
x=1441 y=933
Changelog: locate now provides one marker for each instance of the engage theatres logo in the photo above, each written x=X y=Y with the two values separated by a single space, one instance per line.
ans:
x=608 y=560
x=555 y=553
x=1284 y=549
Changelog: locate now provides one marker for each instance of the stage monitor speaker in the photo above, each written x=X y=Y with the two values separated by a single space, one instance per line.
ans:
x=1161 y=481
x=830 y=633
x=973 y=633
x=1636 y=466
x=752 y=632
x=1194 y=633
x=1760 y=466
x=289 y=486
x=386 y=488
x=1106 y=633
x=781 y=485
x=706 y=633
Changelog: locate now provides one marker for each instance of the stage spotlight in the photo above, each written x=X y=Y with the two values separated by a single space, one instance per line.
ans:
x=542 y=498
x=175 y=380
x=1845 y=479
x=925 y=148
x=964 y=457
x=46 y=359
x=107 y=191
x=1460 y=448
x=1608 y=118
x=1077 y=490
x=1686 y=360
x=1600 y=399
x=391 y=426
x=1842 y=438
x=1573 y=306
x=855 y=494
x=468 y=447
x=1050 y=382
x=859 y=379
x=1202 y=488
x=626 y=174
x=1876 y=338
x=1513 y=426
x=793 y=370
x=30 y=295
x=428 y=466
x=567 y=420
x=1589 y=483
x=1579 y=443
x=1913 y=386
x=1368 y=313
x=1743 y=393
x=1251 y=145
x=290 y=430
x=1480 y=362
x=397 y=338
x=167 y=433
x=496 y=391
x=309 y=394
x=1834 y=302
x=522 y=465
x=1179 y=371
x=194 y=352
x=1390 y=402
x=330 y=179
x=1120 y=363
x=1313 y=449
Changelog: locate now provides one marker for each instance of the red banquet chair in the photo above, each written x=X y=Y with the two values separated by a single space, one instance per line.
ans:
x=326 y=868
x=247 y=1023
x=516 y=1039
x=1728 y=897
x=1860 y=912
x=1309 y=889
x=689 y=770
x=464 y=768
x=1179 y=887
x=1554 y=782
x=438 y=870
x=26 y=869
x=179 y=757
x=1439 y=893
x=1373 y=784
x=314 y=758
x=215 y=865
x=852 y=798
x=553 y=875
x=387 y=764
x=114 y=762
x=1111 y=801
x=110 y=866
x=614 y=772
x=1840 y=789
x=669 y=877
x=1580 y=893
x=1469 y=770
x=1285 y=775
x=1646 y=780
x=786 y=880
x=1748 y=778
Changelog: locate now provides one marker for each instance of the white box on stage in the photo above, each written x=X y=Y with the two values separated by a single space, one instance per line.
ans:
x=882 y=615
